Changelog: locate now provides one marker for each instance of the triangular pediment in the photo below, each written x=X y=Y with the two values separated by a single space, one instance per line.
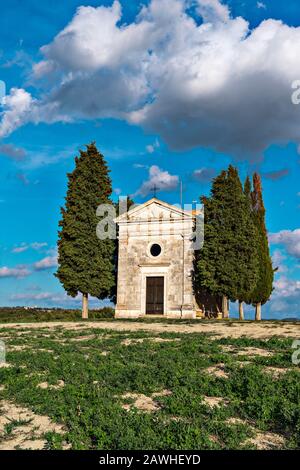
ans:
x=154 y=209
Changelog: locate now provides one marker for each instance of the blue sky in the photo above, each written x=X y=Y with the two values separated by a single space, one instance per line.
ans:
x=174 y=93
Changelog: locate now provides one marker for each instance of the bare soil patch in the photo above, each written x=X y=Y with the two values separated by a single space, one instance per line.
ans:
x=129 y=341
x=267 y=441
x=45 y=385
x=244 y=363
x=276 y=372
x=164 y=340
x=3 y=365
x=246 y=351
x=220 y=328
x=17 y=347
x=143 y=402
x=212 y=402
x=83 y=338
x=261 y=440
x=249 y=351
x=217 y=371
x=236 y=421
x=42 y=350
x=29 y=433
x=228 y=348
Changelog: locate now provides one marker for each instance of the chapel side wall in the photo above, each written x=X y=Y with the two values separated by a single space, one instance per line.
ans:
x=121 y=277
x=129 y=288
x=180 y=275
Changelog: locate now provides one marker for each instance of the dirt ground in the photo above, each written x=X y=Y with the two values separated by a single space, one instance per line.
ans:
x=218 y=329
x=27 y=428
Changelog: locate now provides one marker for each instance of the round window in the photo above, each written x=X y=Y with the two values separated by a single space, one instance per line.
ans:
x=155 y=250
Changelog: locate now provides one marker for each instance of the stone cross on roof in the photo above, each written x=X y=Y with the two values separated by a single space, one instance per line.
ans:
x=154 y=189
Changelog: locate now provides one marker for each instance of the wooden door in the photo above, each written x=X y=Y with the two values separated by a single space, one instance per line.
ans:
x=155 y=295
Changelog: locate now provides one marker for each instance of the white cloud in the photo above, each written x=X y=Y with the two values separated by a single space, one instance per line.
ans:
x=16 y=110
x=278 y=258
x=20 y=59
x=159 y=179
x=213 y=10
x=55 y=299
x=286 y=297
x=38 y=245
x=214 y=84
x=25 y=246
x=39 y=296
x=46 y=263
x=20 y=108
x=13 y=152
x=286 y=288
x=261 y=5
x=285 y=300
x=48 y=155
x=20 y=249
x=23 y=178
x=204 y=175
x=117 y=191
x=152 y=147
x=140 y=166
x=18 y=272
x=82 y=46
x=276 y=175
x=290 y=239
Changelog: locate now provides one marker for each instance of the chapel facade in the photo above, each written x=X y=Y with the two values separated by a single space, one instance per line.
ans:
x=155 y=262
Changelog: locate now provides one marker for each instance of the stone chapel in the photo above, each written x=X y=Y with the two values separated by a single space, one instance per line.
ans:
x=155 y=262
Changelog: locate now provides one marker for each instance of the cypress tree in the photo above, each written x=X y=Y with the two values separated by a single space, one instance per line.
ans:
x=264 y=286
x=251 y=265
x=86 y=263
x=208 y=276
x=226 y=265
x=247 y=192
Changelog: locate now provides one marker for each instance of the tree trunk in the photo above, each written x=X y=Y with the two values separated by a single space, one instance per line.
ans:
x=258 y=311
x=85 y=306
x=225 y=307
x=241 y=310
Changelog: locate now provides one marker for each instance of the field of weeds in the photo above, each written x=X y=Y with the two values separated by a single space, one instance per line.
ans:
x=95 y=388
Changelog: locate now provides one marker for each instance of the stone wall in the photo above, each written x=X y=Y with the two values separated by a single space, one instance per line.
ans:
x=175 y=264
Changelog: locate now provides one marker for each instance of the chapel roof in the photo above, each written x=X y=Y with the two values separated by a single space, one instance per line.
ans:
x=139 y=209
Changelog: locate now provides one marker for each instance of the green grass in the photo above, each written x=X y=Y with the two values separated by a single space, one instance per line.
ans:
x=90 y=403
x=14 y=423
